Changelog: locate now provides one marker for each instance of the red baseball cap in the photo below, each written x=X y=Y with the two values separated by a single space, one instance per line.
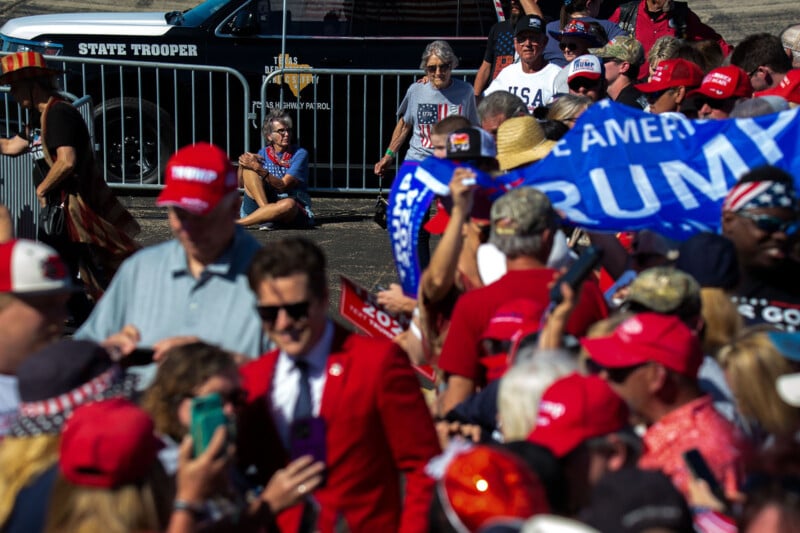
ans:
x=481 y=207
x=486 y=483
x=725 y=82
x=108 y=444
x=576 y=408
x=511 y=317
x=197 y=178
x=673 y=73
x=646 y=337
x=788 y=88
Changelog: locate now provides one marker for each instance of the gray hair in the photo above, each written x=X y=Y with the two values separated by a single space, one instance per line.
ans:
x=514 y=246
x=568 y=106
x=501 y=103
x=790 y=38
x=276 y=115
x=442 y=50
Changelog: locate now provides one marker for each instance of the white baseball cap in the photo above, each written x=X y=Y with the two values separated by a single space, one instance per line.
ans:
x=29 y=267
x=788 y=385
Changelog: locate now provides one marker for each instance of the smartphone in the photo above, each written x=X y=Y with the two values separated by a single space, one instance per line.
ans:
x=577 y=273
x=206 y=416
x=307 y=437
x=699 y=469
x=138 y=357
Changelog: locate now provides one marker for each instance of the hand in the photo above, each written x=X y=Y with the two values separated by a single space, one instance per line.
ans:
x=123 y=342
x=382 y=165
x=42 y=200
x=700 y=495
x=290 y=485
x=251 y=161
x=461 y=193
x=423 y=80
x=198 y=478
x=164 y=345
x=395 y=301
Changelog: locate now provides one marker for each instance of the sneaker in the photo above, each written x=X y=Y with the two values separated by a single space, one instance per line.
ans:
x=266 y=226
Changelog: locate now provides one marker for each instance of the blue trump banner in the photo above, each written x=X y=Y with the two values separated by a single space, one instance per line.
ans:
x=620 y=169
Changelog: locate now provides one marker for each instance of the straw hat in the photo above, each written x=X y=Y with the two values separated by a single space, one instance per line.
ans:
x=521 y=141
x=23 y=66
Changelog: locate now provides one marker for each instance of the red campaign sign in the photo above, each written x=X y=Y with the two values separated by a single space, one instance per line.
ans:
x=361 y=308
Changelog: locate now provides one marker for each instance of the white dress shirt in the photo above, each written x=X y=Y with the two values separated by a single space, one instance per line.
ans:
x=286 y=383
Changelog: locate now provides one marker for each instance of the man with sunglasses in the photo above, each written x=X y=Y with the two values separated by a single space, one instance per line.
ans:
x=586 y=77
x=672 y=80
x=652 y=360
x=720 y=90
x=358 y=396
x=193 y=286
x=622 y=57
x=760 y=217
x=531 y=78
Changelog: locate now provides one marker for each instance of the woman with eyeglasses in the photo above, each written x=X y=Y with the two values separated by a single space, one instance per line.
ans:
x=275 y=180
x=582 y=10
x=197 y=370
x=427 y=103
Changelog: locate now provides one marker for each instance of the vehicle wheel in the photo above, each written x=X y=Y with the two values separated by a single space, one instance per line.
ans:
x=128 y=154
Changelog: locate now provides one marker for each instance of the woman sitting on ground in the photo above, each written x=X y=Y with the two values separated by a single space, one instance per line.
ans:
x=275 y=180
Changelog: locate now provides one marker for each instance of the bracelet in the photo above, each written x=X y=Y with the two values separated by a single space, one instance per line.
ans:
x=197 y=510
x=390 y=153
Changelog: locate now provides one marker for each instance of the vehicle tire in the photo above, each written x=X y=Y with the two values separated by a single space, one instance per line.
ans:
x=138 y=156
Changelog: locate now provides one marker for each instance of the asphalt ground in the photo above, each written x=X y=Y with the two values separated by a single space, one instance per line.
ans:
x=354 y=244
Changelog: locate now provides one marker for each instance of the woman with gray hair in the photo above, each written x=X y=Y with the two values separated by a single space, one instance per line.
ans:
x=275 y=180
x=427 y=103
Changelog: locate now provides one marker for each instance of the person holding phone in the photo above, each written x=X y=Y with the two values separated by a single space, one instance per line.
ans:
x=350 y=400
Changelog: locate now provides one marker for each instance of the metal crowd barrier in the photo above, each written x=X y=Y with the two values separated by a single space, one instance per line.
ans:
x=342 y=155
x=16 y=173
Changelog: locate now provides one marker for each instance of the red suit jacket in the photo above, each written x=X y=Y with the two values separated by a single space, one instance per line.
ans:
x=377 y=428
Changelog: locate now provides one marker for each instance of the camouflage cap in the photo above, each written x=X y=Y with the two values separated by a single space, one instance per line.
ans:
x=623 y=48
x=665 y=290
x=522 y=211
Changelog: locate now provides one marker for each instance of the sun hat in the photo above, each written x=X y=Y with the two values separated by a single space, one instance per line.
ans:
x=24 y=66
x=581 y=29
x=197 y=178
x=521 y=141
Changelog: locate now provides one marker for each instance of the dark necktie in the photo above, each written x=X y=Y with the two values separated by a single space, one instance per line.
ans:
x=302 y=409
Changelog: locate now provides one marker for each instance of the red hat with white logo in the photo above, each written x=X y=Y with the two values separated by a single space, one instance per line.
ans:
x=671 y=73
x=576 y=408
x=197 y=178
x=788 y=88
x=725 y=82
x=28 y=267
x=646 y=337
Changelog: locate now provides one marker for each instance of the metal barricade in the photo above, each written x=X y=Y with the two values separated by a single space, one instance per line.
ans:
x=343 y=155
x=16 y=182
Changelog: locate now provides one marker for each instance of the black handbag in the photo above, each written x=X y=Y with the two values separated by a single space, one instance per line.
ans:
x=52 y=220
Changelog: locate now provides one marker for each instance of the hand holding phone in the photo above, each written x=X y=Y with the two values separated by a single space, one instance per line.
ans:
x=577 y=273
x=699 y=469
x=207 y=415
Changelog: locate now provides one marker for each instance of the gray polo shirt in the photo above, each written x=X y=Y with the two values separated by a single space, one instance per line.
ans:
x=154 y=291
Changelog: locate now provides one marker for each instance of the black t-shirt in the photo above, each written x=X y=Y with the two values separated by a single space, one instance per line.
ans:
x=500 y=47
x=633 y=97
x=771 y=302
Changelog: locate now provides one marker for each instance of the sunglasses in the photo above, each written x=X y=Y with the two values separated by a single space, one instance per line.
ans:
x=652 y=97
x=283 y=131
x=444 y=67
x=770 y=224
x=296 y=311
x=620 y=375
x=583 y=83
x=496 y=346
x=713 y=103
x=532 y=37
x=571 y=45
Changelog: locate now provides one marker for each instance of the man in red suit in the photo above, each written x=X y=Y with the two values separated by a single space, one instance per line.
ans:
x=360 y=393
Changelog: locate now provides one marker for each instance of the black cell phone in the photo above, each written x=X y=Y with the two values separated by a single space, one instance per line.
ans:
x=138 y=357
x=699 y=469
x=577 y=273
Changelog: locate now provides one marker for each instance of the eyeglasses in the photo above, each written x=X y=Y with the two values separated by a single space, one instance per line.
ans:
x=296 y=311
x=283 y=131
x=572 y=45
x=444 y=67
x=770 y=224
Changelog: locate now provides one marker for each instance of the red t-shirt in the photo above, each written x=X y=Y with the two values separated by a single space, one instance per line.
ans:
x=461 y=352
x=649 y=30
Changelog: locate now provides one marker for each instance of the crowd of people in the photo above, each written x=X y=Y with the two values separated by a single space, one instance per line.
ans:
x=210 y=389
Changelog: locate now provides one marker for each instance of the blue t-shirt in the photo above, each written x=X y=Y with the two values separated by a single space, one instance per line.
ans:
x=298 y=167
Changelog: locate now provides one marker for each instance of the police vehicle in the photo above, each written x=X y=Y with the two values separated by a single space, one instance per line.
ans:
x=141 y=118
